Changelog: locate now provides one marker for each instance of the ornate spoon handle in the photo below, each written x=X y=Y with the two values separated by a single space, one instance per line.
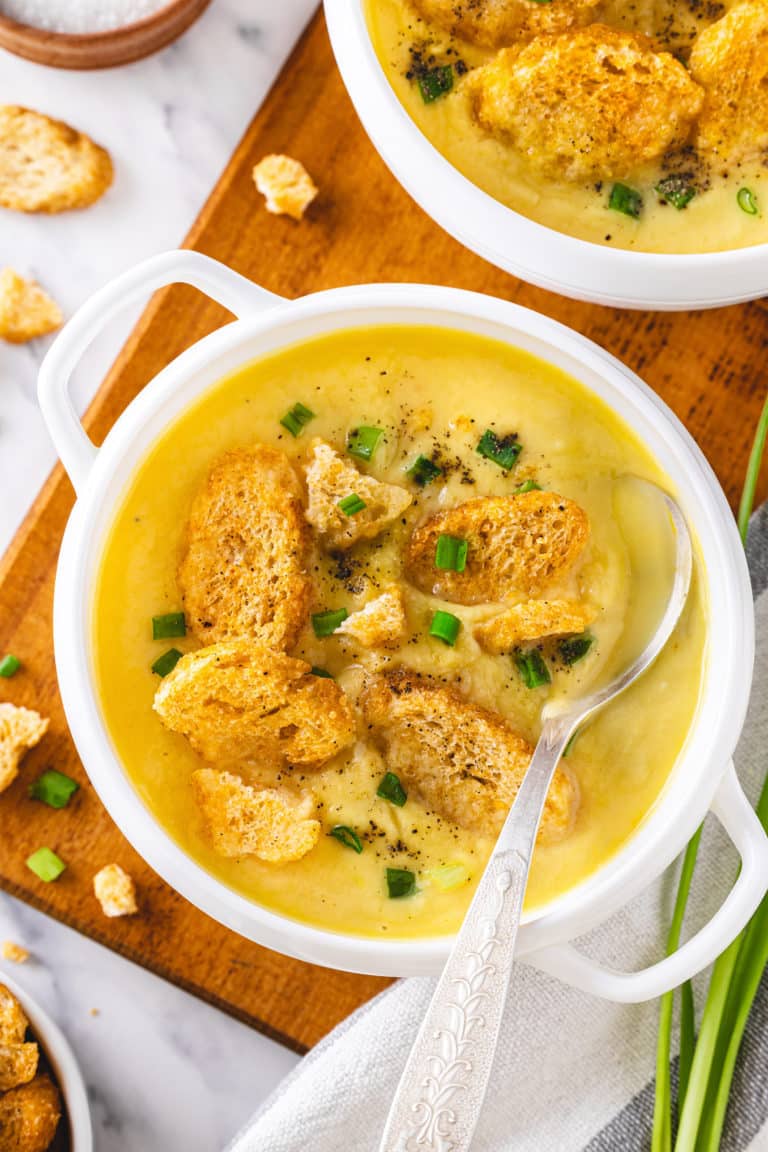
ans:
x=440 y=1095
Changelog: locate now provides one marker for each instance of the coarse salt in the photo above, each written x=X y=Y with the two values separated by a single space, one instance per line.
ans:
x=79 y=16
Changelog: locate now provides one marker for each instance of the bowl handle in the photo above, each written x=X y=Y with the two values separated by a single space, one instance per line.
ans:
x=233 y=291
x=739 y=820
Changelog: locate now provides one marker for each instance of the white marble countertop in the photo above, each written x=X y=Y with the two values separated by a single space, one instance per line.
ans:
x=164 y=1071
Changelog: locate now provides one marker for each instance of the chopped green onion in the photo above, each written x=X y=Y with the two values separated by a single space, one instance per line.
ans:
x=676 y=191
x=445 y=626
x=326 y=623
x=169 y=625
x=167 y=662
x=348 y=837
x=45 y=864
x=575 y=648
x=532 y=668
x=400 y=882
x=527 y=486
x=323 y=673
x=351 y=505
x=448 y=876
x=626 y=200
x=451 y=553
x=503 y=450
x=391 y=789
x=362 y=441
x=9 y=666
x=423 y=471
x=296 y=418
x=53 y=788
x=435 y=82
x=569 y=746
x=747 y=201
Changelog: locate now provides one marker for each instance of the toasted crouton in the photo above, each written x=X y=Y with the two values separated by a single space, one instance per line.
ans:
x=533 y=620
x=46 y=166
x=380 y=623
x=20 y=730
x=730 y=60
x=286 y=184
x=465 y=762
x=18 y=1064
x=495 y=23
x=26 y=311
x=29 y=1116
x=243 y=572
x=13 y=1022
x=10 y=950
x=331 y=477
x=522 y=543
x=272 y=823
x=592 y=104
x=115 y=891
x=238 y=701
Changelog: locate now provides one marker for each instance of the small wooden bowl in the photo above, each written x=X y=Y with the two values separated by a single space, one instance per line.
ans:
x=101 y=49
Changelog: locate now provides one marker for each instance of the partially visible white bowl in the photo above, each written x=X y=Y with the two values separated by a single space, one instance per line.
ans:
x=509 y=240
x=64 y=1066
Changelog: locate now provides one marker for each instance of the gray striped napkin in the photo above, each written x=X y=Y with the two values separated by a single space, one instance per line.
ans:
x=573 y=1073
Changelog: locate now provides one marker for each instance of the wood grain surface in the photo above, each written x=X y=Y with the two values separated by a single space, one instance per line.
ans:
x=708 y=366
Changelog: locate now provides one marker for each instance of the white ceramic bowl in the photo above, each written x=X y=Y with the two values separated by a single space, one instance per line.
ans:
x=509 y=240
x=701 y=779
x=63 y=1064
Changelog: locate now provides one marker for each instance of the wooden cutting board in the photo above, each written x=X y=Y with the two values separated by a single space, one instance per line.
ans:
x=708 y=366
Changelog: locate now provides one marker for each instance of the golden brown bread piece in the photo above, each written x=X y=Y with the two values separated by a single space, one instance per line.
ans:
x=115 y=891
x=286 y=184
x=26 y=311
x=238 y=701
x=46 y=166
x=464 y=762
x=592 y=104
x=730 y=61
x=272 y=823
x=380 y=623
x=18 y=1065
x=13 y=1022
x=29 y=1116
x=495 y=23
x=521 y=543
x=244 y=568
x=20 y=730
x=533 y=620
x=331 y=477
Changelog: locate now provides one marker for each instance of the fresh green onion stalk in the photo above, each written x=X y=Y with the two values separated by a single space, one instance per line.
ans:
x=707 y=1062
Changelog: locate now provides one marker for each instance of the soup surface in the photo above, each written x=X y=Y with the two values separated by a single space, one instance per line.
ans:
x=433 y=392
x=723 y=199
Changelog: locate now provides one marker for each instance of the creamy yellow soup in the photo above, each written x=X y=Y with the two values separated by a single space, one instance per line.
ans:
x=712 y=221
x=430 y=389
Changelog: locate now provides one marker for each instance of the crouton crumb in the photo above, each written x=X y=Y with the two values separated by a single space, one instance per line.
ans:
x=26 y=311
x=286 y=184
x=380 y=623
x=115 y=891
x=14 y=952
x=272 y=823
x=20 y=730
x=331 y=478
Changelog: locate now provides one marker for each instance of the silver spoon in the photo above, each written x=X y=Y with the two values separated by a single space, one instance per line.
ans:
x=441 y=1092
